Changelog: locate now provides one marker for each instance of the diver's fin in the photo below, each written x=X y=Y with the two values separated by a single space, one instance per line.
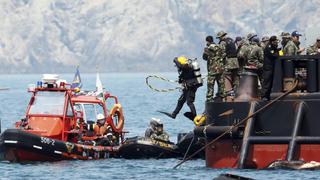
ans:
x=189 y=115
x=168 y=114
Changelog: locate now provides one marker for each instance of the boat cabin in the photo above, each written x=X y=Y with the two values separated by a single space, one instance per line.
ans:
x=50 y=112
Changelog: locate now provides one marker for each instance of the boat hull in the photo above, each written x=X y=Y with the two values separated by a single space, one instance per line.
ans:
x=19 y=146
x=288 y=130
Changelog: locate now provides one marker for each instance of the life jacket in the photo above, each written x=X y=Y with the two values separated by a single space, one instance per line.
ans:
x=231 y=49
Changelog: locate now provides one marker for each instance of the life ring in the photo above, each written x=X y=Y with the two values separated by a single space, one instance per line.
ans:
x=116 y=111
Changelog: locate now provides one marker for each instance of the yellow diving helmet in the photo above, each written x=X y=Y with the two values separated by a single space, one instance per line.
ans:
x=182 y=60
x=199 y=119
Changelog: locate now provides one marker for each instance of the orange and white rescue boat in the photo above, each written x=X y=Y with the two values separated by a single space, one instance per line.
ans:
x=60 y=123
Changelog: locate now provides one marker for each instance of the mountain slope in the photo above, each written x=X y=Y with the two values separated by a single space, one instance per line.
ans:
x=132 y=35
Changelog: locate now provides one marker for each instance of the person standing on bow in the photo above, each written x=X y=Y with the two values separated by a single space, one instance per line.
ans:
x=255 y=57
x=264 y=42
x=314 y=49
x=271 y=53
x=231 y=60
x=292 y=47
x=190 y=79
x=214 y=55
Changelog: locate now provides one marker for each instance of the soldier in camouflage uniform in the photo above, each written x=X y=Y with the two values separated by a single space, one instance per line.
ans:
x=231 y=60
x=285 y=39
x=255 y=56
x=155 y=131
x=314 y=49
x=264 y=42
x=244 y=50
x=214 y=55
x=292 y=47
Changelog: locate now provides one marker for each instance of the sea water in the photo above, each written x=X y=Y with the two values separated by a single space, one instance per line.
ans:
x=140 y=104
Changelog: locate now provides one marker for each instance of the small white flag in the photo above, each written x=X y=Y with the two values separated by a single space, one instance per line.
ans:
x=99 y=88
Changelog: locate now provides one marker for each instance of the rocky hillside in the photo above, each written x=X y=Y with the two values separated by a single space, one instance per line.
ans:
x=132 y=35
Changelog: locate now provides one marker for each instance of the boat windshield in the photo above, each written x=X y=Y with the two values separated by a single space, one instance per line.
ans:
x=90 y=111
x=49 y=103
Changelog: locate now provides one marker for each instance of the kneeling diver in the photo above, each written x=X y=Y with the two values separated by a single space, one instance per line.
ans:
x=190 y=78
x=155 y=131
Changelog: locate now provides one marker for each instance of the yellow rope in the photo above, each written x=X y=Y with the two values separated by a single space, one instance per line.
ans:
x=163 y=79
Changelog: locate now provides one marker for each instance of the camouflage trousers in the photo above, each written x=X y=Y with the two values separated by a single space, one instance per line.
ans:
x=210 y=86
x=233 y=76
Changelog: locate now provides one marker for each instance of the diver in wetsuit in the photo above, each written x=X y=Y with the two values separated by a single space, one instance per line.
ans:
x=190 y=78
x=155 y=131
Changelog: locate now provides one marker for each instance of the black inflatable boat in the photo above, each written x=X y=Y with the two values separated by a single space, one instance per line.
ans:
x=144 y=148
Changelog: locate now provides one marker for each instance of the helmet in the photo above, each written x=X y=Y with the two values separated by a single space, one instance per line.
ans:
x=250 y=36
x=285 y=35
x=182 y=60
x=101 y=119
x=255 y=39
x=265 y=38
x=155 y=123
x=100 y=116
x=221 y=34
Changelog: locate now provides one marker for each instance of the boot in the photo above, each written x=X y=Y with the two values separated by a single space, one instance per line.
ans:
x=189 y=115
x=171 y=115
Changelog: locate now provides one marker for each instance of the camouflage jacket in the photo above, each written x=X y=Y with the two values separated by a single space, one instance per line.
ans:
x=243 y=51
x=255 y=57
x=230 y=63
x=215 y=60
x=164 y=136
x=312 y=50
x=290 y=49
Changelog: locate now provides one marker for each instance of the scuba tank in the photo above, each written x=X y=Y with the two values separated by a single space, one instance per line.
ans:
x=189 y=71
x=196 y=71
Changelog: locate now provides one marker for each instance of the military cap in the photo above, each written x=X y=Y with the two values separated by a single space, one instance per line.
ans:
x=295 y=34
x=255 y=39
x=285 y=35
x=221 y=34
x=265 y=38
x=251 y=35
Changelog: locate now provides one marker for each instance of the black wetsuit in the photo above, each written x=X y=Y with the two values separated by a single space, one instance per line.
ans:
x=271 y=53
x=187 y=78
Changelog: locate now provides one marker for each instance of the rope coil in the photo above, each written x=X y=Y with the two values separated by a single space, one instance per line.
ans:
x=163 y=79
x=178 y=87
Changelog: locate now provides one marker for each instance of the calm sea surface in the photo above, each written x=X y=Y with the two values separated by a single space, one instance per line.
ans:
x=140 y=105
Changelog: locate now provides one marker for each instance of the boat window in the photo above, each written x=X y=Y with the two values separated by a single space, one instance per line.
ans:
x=49 y=103
x=90 y=111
